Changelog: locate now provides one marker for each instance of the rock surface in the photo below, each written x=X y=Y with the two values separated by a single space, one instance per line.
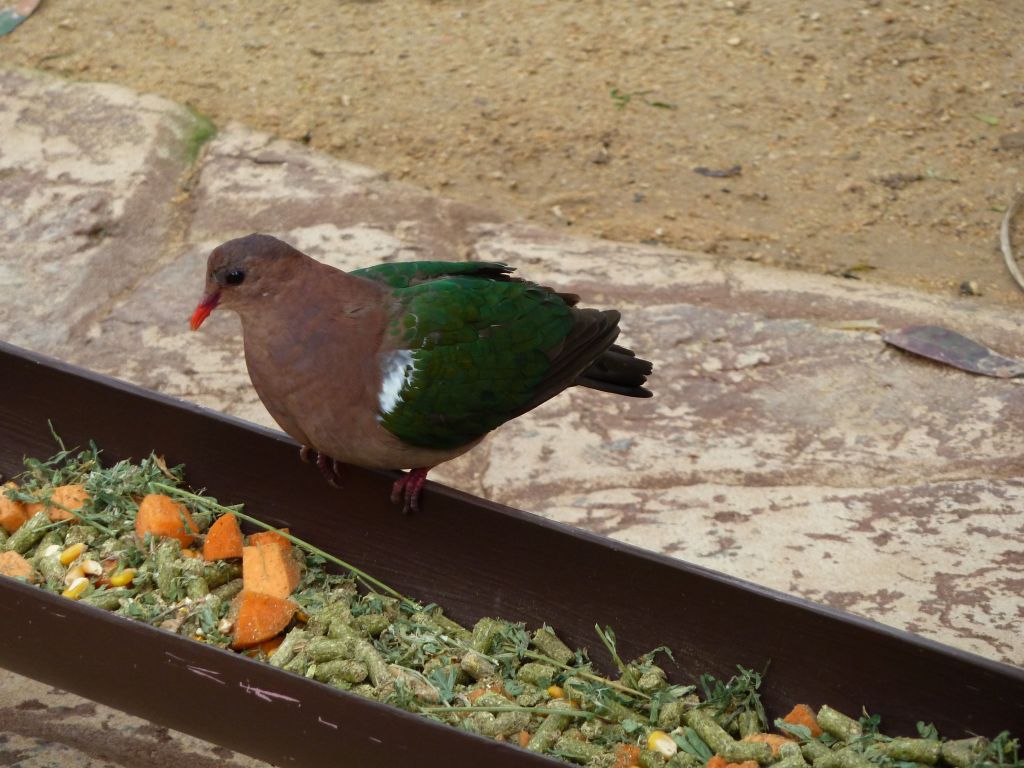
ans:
x=43 y=727
x=786 y=445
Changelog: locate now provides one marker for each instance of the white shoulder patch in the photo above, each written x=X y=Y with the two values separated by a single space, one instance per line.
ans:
x=394 y=368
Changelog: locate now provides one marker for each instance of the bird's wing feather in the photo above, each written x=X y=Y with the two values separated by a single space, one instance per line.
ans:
x=482 y=351
x=404 y=274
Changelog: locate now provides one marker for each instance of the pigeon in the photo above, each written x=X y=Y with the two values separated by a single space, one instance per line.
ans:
x=405 y=365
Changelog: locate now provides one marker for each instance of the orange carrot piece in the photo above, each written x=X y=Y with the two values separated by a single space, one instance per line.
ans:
x=270 y=569
x=14 y=565
x=65 y=501
x=160 y=515
x=524 y=739
x=802 y=714
x=269 y=537
x=259 y=618
x=773 y=740
x=476 y=693
x=626 y=755
x=267 y=647
x=223 y=540
x=12 y=513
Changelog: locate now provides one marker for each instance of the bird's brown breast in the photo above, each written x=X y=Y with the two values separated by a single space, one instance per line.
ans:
x=314 y=356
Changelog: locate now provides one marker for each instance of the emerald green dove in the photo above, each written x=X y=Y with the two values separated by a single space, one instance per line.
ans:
x=406 y=365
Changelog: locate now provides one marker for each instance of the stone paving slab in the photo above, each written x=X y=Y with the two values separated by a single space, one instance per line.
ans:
x=87 y=180
x=781 y=447
x=43 y=727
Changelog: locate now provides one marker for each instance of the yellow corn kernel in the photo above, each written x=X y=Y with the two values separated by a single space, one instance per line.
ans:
x=190 y=553
x=68 y=555
x=556 y=692
x=122 y=579
x=74 y=574
x=85 y=568
x=659 y=741
x=76 y=588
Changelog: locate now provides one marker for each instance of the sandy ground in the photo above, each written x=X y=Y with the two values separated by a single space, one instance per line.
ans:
x=877 y=139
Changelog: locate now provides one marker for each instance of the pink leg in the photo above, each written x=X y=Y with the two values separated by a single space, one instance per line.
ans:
x=408 y=487
x=329 y=468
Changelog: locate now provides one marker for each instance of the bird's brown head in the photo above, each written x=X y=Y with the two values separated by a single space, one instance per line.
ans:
x=244 y=271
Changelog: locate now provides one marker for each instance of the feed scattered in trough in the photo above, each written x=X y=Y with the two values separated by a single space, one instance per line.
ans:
x=137 y=542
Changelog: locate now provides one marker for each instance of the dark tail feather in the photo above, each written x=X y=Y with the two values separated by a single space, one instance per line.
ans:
x=618 y=371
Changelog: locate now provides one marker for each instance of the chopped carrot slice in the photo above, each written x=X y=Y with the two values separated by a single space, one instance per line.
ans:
x=267 y=647
x=626 y=755
x=65 y=501
x=802 y=714
x=14 y=565
x=160 y=515
x=476 y=693
x=223 y=540
x=259 y=618
x=773 y=740
x=12 y=513
x=270 y=569
x=269 y=537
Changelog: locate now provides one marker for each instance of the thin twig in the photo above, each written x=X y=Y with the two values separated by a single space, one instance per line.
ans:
x=586 y=675
x=1004 y=239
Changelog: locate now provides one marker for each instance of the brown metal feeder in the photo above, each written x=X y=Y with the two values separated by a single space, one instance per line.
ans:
x=471 y=556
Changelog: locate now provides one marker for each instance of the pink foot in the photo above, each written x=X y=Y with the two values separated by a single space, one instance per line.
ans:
x=408 y=487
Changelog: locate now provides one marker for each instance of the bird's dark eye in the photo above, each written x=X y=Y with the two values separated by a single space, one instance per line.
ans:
x=234 y=277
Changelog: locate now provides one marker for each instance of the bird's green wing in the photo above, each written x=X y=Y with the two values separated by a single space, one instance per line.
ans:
x=403 y=274
x=470 y=349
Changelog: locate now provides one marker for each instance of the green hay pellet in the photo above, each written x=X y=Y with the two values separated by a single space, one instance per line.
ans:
x=839 y=725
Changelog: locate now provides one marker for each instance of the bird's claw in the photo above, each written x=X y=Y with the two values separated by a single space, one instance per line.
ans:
x=329 y=468
x=407 y=489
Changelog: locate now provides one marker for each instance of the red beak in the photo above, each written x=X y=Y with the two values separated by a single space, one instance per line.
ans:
x=206 y=306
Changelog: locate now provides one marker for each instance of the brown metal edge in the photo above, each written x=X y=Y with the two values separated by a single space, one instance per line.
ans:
x=998 y=675
x=439 y=489
x=217 y=695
